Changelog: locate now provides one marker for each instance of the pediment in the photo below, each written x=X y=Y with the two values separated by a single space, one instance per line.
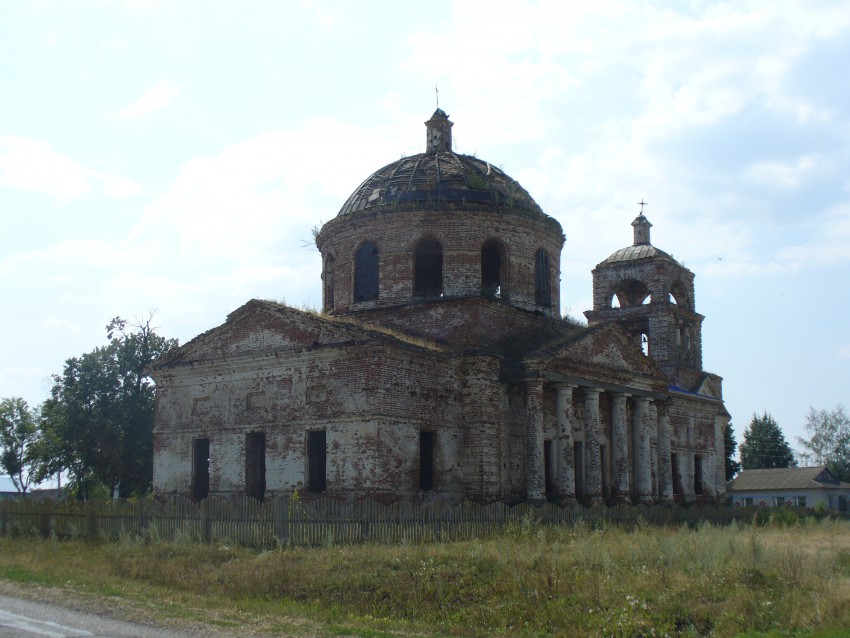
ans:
x=606 y=348
x=710 y=386
x=261 y=327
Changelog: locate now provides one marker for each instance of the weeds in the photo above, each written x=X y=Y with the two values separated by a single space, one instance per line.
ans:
x=532 y=580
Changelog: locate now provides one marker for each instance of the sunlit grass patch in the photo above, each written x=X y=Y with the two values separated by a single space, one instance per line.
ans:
x=531 y=581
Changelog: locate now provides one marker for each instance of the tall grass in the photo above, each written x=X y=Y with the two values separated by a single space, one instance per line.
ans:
x=530 y=581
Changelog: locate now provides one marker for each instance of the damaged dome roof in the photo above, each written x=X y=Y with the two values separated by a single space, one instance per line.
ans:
x=440 y=176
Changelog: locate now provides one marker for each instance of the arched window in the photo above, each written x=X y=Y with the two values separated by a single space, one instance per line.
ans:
x=428 y=269
x=366 y=272
x=542 y=286
x=492 y=281
x=632 y=293
x=679 y=294
x=328 y=277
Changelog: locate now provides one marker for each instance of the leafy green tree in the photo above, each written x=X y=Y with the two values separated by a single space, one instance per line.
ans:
x=18 y=432
x=731 y=447
x=765 y=446
x=98 y=423
x=829 y=442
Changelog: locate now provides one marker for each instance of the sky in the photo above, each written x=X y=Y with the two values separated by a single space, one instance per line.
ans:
x=174 y=157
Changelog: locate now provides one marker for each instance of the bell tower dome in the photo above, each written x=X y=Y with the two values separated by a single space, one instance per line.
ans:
x=651 y=296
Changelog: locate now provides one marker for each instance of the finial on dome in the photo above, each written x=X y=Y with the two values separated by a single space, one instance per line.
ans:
x=641 y=225
x=438 y=136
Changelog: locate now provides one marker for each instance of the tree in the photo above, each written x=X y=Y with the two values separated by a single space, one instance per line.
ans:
x=765 y=446
x=98 y=422
x=730 y=446
x=829 y=442
x=18 y=433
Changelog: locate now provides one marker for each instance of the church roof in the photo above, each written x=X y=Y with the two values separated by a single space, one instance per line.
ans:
x=633 y=253
x=440 y=176
x=796 y=478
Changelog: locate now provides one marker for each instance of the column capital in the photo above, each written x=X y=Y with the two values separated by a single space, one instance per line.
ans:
x=563 y=385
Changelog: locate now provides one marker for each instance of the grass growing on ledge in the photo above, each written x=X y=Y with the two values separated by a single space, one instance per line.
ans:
x=531 y=581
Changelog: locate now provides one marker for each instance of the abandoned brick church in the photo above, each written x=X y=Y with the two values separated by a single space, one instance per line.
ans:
x=440 y=366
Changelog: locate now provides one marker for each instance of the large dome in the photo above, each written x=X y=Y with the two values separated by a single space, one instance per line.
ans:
x=436 y=227
x=439 y=177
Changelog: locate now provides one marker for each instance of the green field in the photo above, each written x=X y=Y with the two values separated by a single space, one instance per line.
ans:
x=530 y=581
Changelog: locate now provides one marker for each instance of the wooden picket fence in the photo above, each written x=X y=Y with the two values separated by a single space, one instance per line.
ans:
x=290 y=522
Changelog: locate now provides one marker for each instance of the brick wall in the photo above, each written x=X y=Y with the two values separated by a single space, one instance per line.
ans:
x=462 y=232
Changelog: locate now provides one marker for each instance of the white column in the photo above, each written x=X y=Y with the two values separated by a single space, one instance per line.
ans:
x=721 y=422
x=665 y=469
x=686 y=465
x=593 y=460
x=535 y=463
x=643 y=463
x=566 y=452
x=620 y=445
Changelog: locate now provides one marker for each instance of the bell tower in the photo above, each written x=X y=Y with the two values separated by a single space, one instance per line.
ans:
x=651 y=296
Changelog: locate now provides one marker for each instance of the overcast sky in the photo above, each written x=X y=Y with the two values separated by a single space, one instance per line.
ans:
x=174 y=156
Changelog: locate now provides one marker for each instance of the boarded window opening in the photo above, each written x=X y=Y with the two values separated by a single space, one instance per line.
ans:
x=317 y=458
x=428 y=267
x=698 y=484
x=548 y=473
x=255 y=465
x=329 y=283
x=542 y=285
x=426 y=461
x=674 y=467
x=491 y=270
x=366 y=273
x=201 y=405
x=578 y=451
x=256 y=400
x=200 y=469
x=603 y=464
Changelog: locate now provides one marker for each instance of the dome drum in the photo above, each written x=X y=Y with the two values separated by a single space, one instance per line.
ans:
x=483 y=253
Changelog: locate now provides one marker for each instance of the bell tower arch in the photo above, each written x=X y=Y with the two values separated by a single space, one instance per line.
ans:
x=651 y=296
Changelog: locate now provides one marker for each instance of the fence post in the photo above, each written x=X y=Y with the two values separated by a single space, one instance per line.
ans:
x=281 y=519
x=206 y=523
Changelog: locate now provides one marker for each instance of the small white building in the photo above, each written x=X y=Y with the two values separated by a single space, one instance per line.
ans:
x=792 y=486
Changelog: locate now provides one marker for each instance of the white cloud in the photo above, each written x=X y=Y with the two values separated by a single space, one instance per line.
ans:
x=827 y=247
x=60 y=325
x=251 y=196
x=779 y=174
x=153 y=99
x=33 y=165
x=843 y=352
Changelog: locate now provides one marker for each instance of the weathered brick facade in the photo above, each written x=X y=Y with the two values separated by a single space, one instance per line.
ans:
x=440 y=367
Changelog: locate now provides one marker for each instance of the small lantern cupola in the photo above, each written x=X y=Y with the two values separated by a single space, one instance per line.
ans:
x=641 y=225
x=439 y=133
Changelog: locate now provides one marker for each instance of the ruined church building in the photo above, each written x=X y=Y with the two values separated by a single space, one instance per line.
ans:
x=440 y=367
